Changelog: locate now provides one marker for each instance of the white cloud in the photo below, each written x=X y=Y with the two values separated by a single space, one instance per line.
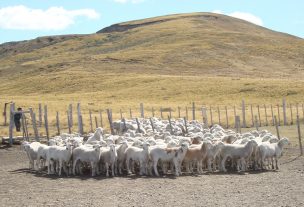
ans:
x=54 y=18
x=129 y=1
x=243 y=15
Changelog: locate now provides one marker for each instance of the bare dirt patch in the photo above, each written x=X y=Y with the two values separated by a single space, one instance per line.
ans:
x=22 y=187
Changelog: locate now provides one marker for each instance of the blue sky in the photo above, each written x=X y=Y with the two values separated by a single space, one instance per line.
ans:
x=28 y=19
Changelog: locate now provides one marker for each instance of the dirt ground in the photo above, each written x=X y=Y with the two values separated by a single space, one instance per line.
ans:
x=22 y=187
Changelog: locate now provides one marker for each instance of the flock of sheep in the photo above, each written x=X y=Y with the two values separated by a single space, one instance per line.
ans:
x=152 y=145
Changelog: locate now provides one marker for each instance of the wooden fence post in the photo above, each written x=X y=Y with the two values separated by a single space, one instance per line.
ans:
x=284 y=112
x=187 y=113
x=71 y=114
x=110 y=121
x=303 y=110
x=219 y=114
x=193 y=111
x=100 y=117
x=24 y=127
x=171 y=129
x=179 y=115
x=4 y=114
x=297 y=108
x=80 y=123
x=57 y=123
x=186 y=127
x=256 y=123
x=138 y=125
x=91 y=121
x=237 y=124
x=279 y=117
x=244 y=114
x=69 y=122
x=142 y=115
x=277 y=127
x=152 y=125
x=291 y=115
x=46 y=122
x=227 y=124
x=259 y=115
x=33 y=117
x=252 y=119
x=40 y=114
x=11 y=126
x=205 y=118
x=272 y=115
x=266 y=115
x=124 y=124
x=96 y=122
x=211 y=119
x=299 y=135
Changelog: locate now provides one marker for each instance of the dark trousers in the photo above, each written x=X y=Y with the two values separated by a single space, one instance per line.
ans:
x=18 y=125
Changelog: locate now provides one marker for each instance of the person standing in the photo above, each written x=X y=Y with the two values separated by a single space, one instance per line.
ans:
x=17 y=117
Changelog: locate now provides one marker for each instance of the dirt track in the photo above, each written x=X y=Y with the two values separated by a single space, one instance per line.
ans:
x=21 y=187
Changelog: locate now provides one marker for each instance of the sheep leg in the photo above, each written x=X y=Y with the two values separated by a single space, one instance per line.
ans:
x=141 y=167
x=74 y=166
x=65 y=169
x=223 y=164
x=187 y=167
x=93 y=166
x=209 y=165
x=128 y=166
x=60 y=167
x=155 y=167
x=276 y=160
x=113 y=169
x=107 y=169
x=49 y=167
x=175 y=161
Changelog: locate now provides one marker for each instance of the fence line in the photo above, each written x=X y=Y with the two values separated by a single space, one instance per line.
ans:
x=209 y=115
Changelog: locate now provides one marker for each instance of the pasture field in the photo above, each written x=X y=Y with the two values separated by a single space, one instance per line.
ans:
x=127 y=91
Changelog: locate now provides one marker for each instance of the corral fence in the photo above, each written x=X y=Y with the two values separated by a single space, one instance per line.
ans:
x=74 y=119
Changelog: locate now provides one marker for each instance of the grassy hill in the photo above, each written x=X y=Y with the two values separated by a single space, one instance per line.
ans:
x=173 y=59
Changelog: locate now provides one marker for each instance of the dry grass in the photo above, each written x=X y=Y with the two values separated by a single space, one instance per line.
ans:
x=207 y=58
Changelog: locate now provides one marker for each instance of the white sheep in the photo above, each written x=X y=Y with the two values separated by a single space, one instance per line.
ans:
x=174 y=155
x=238 y=153
x=268 y=150
x=61 y=154
x=87 y=154
x=138 y=155
x=108 y=156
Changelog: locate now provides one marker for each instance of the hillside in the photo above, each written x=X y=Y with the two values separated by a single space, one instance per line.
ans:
x=147 y=53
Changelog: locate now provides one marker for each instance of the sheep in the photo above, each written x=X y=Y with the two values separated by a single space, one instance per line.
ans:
x=212 y=153
x=97 y=136
x=87 y=154
x=31 y=151
x=237 y=152
x=138 y=155
x=175 y=155
x=121 y=156
x=271 y=150
x=108 y=157
x=61 y=154
x=42 y=155
x=197 y=154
